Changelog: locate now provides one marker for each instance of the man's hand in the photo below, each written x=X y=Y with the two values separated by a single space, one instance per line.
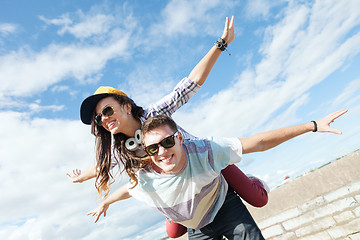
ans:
x=323 y=124
x=270 y=139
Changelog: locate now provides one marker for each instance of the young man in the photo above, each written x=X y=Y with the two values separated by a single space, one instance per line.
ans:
x=185 y=184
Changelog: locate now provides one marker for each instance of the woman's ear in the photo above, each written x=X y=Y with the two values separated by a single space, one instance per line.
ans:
x=127 y=108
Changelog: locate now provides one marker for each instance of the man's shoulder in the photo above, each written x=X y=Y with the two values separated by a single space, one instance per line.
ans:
x=196 y=142
x=213 y=144
x=209 y=140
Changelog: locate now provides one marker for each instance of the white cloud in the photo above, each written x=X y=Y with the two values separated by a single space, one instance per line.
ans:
x=99 y=24
x=288 y=116
x=348 y=93
x=191 y=17
x=278 y=42
x=146 y=84
x=26 y=72
x=63 y=20
x=60 y=88
x=35 y=108
x=7 y=28
x=32 y=166
x=87 y=26
x=259 y=8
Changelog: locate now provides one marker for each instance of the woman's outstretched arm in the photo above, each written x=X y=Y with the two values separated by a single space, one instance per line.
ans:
x=203 y=68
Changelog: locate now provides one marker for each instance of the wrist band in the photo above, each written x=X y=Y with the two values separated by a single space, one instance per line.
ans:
x=315 y=126
x=221 y=44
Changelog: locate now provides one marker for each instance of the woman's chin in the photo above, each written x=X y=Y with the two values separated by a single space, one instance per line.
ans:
x=114 y=130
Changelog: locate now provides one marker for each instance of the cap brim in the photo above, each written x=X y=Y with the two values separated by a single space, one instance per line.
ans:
x=88 y=106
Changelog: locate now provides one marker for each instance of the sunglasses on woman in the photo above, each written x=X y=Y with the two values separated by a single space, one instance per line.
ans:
x=106 y=112
x=167 y=142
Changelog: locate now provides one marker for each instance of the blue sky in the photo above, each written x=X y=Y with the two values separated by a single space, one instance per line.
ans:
x=291 y=62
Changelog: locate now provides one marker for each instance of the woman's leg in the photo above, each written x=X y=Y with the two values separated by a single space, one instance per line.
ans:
x=251 y=190
x=174 y=230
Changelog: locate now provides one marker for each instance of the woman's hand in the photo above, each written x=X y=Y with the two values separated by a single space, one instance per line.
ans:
x=76 y=178
x=229 y=32
x=98 y=211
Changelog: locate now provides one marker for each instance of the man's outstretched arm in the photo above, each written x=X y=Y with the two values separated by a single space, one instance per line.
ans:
x=267 y=140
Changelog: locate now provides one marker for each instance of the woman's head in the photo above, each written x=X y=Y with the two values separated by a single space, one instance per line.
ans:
x=114 y=114
x=88 y=105
x=112 y=110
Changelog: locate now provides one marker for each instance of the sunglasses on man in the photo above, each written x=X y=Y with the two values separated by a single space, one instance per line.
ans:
x=167 y=142
x=106 y=112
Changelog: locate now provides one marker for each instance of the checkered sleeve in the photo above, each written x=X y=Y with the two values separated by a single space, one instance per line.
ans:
x=181 y=94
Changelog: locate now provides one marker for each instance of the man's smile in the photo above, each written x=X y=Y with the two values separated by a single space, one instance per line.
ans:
x=166 y=160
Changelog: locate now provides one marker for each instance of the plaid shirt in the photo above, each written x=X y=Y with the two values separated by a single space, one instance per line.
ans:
x=181 y=94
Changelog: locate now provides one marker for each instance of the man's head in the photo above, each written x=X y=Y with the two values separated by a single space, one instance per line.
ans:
x=163 y=143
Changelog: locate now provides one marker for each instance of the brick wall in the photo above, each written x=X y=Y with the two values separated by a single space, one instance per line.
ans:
x=324 y=204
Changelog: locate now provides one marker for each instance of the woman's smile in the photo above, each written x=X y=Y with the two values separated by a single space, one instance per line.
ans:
x=111 y=124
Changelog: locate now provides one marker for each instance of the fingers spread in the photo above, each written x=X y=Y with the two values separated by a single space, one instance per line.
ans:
x=226 y=23
x=232 y=22
x=339 y=113
x=336 y=131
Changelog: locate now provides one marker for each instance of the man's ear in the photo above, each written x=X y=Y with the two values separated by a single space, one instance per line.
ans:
x=180 y=138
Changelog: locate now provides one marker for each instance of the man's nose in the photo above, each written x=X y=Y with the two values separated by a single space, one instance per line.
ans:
x=162 y=150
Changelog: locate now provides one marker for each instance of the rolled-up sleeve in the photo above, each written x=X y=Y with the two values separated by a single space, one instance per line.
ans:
x=180 y=95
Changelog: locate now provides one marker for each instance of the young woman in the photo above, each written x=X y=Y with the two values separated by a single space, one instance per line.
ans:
x=116 y=121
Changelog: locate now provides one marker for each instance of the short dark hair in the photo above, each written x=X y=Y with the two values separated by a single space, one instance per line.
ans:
x=158 y=121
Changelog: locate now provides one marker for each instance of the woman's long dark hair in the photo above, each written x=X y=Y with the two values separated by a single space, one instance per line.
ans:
x=109 y=153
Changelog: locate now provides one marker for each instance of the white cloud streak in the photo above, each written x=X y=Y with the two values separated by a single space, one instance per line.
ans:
x=7 y=28
x=87 y=26
x=189 y=18
x=26 y=72
x=348 y=93
x=259 y=8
